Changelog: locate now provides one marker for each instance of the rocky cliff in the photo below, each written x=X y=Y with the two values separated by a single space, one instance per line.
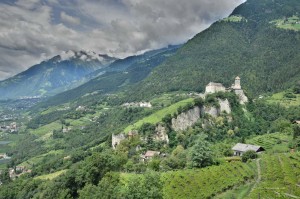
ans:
x=190 y=117
x=186 y=119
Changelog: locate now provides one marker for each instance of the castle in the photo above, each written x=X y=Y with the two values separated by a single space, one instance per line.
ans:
x=213 y=87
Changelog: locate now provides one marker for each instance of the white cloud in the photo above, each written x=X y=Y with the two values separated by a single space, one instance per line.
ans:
x=32 y=30
x=69 y=19
x=67 y=55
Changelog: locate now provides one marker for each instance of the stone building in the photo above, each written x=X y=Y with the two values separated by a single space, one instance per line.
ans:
x=116 y=139
x=213 y=87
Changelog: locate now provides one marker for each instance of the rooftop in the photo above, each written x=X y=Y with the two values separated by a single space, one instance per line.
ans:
x=151 y=153
x=215 y=84
x=245 y=147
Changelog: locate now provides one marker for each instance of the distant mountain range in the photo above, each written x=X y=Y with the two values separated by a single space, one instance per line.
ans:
x=60 y=73
x=118 y=76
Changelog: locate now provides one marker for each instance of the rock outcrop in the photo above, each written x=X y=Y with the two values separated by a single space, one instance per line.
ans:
x=161 y=134
x=210 y=110
x=186 y=119
x=224 y=106
x=116 y=139
x=242 y=97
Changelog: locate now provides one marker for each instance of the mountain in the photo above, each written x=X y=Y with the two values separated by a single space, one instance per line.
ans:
x=62 y=72
x=99 y=146
x=259 y=41
x=118 y=76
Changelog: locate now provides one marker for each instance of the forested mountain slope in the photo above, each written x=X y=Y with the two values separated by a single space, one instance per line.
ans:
x=117 y=76
x=249 y=43
x=60 y=73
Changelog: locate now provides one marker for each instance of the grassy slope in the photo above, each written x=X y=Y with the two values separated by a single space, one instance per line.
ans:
x=280 y=175
x=207 y=182
x=51 y=176
x=279 y=98
x=274 y=142
x=38 y=159
x=159 y=115
x=46 y=128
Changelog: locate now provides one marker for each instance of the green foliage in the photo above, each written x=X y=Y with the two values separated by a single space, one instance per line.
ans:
x=199 y=102
x=280 y=172
x=290 y=23
x=201 y=154
x=4 y=176
x=253 y=49
x=296 y=88
x=273 y=142
x=282 y=125
x=206 y=182
x=285 y=98
x=177 y=160
x=159 y=115
x=249 y=155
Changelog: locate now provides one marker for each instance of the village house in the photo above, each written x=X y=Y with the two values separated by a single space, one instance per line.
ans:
x=239 y=149
x=3 y=156
x=149 y=155
x=18 y=171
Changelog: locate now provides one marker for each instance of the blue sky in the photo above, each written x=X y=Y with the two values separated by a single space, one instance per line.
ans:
x=34 y=30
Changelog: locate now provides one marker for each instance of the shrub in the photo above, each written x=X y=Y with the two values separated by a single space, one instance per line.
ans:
x=249 y=155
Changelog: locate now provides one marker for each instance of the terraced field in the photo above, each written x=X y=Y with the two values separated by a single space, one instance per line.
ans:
x=280 y=177
x=207 y=182
x=274 y=142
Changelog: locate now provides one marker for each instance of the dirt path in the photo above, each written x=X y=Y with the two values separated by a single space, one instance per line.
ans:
x=258 y=175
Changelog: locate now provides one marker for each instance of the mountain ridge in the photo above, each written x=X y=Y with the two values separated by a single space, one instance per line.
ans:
x=54 y=75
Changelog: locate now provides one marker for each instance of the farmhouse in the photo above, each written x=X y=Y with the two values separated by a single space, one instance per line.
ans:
x=240 y=148
x=149 y=155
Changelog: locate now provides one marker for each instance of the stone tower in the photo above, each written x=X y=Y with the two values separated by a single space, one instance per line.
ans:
x=237 y=83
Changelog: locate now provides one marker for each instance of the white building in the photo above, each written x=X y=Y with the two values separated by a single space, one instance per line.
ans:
x=213 y=87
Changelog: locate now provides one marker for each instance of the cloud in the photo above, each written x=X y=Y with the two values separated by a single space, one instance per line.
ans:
x=69 y=19
x=33 y=30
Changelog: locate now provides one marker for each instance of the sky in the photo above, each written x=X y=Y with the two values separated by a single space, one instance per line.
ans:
x=35 y=30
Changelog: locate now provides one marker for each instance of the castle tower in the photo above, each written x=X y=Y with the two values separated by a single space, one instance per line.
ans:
x=237 y=83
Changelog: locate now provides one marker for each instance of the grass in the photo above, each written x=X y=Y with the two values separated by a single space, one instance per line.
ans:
x=233 y=18
x=12 y=138
x=274 y=142
x=291 y=23
x=207 y=182
x=238 y=193
x=37 y=159
x=280 y=176
x=159 y=115
x=279 y=98
x=51 y=176
x=46 y=128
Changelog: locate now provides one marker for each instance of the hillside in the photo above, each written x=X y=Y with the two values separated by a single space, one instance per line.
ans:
x=118 y=76
x=60 y=73
x=248 y=44
x=100 y=140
